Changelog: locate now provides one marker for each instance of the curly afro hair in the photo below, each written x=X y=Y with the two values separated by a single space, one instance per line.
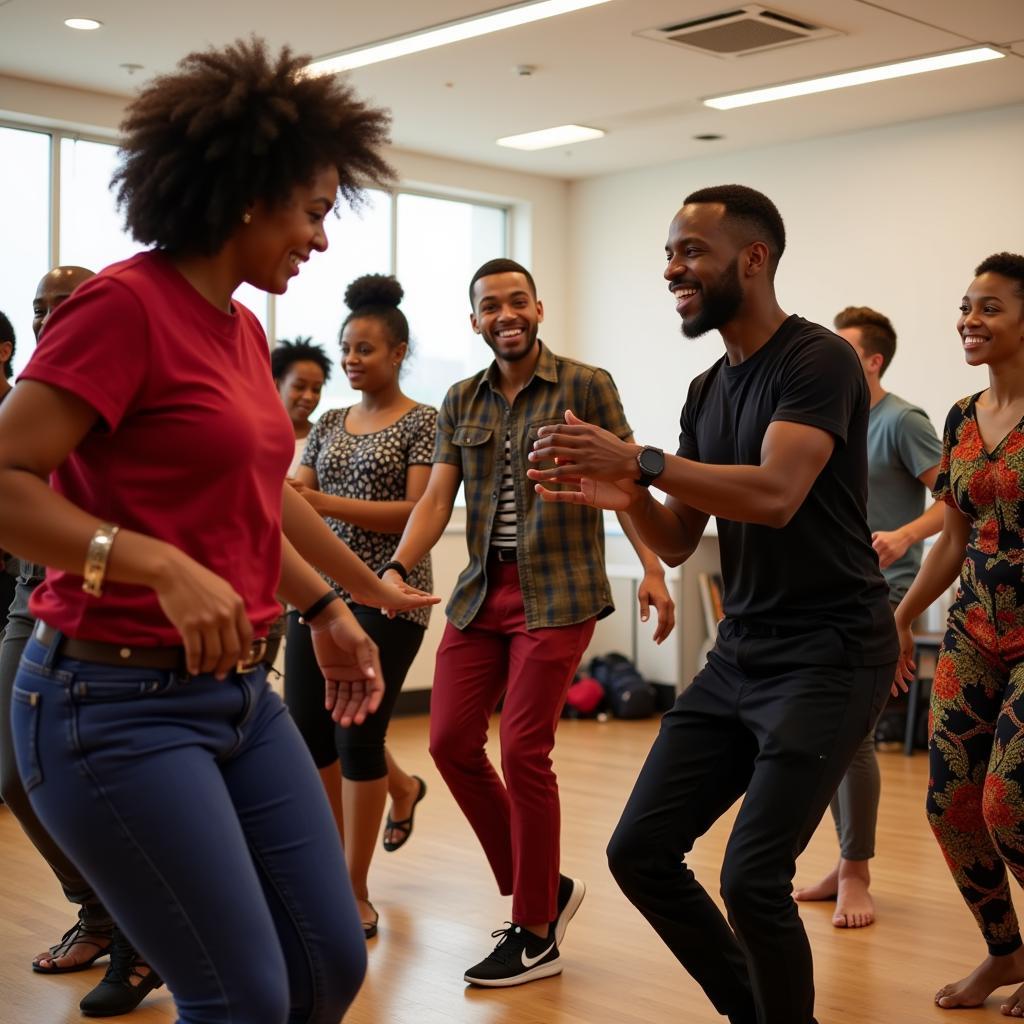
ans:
x=286 y=354
x=378 y=296
x=234 y=126
x=1007 y=264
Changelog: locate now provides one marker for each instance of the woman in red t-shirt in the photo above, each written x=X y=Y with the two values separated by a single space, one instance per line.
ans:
x=148 y=740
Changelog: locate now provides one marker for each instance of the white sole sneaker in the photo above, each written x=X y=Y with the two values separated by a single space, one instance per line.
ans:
x=579 y=890
x=548 y=970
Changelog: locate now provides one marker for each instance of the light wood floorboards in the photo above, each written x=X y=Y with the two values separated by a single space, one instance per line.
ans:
x=438 y=905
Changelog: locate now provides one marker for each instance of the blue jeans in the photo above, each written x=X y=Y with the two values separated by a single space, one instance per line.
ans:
x=193 y=808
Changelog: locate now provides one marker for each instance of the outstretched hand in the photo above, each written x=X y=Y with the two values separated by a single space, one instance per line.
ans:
x=350 y=663
x=596 y=467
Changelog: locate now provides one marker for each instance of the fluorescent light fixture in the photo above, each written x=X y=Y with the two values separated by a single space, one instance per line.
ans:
x=901 y=69
x=548 y=138
x=452 y=32
x=85 y=24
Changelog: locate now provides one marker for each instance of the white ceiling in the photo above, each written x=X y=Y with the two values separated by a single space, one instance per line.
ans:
x=591 y=68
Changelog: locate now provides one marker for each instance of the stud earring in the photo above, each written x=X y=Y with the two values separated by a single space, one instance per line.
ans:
x=247 y=217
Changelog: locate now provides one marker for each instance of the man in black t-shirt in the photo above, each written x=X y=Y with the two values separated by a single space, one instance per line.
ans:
x=773 y=442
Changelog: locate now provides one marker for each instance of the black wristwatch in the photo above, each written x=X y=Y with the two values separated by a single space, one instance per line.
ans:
x=652 y=464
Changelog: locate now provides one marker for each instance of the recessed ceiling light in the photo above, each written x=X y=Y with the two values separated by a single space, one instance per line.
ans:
x=548 y=138
x=85 y=24
x=901 y=69
x=450 y=32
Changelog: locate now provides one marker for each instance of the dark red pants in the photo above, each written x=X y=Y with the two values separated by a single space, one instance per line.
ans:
x=516 y=820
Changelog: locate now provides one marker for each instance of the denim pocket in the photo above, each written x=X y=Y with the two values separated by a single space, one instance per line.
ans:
x=25 y=729
x=104 y=684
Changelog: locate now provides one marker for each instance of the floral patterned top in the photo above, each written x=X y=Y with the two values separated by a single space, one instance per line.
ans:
x=988 y=489
x=372 y=467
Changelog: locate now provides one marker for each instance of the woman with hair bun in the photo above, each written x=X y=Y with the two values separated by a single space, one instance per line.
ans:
x=975 y=798
x=146 y=736
x=365 y=467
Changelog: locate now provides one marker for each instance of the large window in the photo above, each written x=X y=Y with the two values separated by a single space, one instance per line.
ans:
x=25 y=236
x=56 y=207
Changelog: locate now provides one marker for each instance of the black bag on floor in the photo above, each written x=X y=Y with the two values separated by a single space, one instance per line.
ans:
x=629 y=694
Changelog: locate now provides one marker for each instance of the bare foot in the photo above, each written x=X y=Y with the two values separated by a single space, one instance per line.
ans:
x=77 y=949
x=1014 y=1006
x=826 y=889
x=854 y=906
x=993 y=972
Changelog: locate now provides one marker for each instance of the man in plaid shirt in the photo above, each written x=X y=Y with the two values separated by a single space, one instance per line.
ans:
x=523 y=610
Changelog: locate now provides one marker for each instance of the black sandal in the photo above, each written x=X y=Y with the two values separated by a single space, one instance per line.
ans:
x=74 y=936
x=405 y=825
x=369 y=929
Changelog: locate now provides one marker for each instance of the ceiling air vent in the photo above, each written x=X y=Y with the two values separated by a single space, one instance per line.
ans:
x=739 y=32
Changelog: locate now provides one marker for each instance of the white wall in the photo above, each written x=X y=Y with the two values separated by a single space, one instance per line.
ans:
x=895 y=218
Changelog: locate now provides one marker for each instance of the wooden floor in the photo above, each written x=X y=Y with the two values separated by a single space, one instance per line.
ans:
x=438 y=906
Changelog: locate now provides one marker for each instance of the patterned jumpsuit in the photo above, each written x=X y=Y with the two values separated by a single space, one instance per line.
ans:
x=976 y=779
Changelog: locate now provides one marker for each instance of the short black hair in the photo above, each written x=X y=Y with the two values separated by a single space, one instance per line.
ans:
x=877 y=334
x=233 y=126
x=7 y=334
x=502 y=266
x=1007 y=264
x=301 y=350
x=757 y=214
x=378 y=296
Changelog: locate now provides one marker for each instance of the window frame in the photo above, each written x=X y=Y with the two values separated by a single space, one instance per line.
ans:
x=58 y=134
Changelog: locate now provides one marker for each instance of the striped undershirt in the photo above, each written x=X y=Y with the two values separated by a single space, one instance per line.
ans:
x=503 y=533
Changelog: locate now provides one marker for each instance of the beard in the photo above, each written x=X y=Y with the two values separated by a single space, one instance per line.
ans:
x=515 y=357
x=719 y=303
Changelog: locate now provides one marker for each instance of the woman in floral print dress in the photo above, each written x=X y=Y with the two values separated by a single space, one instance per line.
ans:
x=976 y=781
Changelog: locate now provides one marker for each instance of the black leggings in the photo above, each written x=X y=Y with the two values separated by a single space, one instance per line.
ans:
x=359 y=747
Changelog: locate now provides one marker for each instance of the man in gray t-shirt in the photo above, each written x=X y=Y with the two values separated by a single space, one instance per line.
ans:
x=903 y=461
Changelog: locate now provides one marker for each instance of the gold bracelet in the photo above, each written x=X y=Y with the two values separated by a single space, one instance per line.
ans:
x=96 y=559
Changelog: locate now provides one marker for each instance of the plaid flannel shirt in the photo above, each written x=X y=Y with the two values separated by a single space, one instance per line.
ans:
x=560 y=546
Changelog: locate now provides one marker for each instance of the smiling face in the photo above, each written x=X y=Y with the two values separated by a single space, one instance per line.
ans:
x=703 y=268
x=300 y=390
x=507 y=315
x=369 y=357
x=276 y=240
x=991 y=324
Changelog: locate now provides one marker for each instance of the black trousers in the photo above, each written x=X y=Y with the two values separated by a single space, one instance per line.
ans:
x=360 y=748
x=775 y=718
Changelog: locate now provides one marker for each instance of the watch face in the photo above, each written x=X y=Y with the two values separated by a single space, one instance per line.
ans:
x=651 y=461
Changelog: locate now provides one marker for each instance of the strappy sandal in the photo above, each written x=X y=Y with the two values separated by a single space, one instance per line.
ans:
x=76 y=935
x=405 y=825
x=370 y=928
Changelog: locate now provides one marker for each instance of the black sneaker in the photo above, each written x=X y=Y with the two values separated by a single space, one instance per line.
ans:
x=570 y=895
x=519 y=957
x=124 y=986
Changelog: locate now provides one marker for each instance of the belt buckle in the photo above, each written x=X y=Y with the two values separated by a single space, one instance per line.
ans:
x=257 y=653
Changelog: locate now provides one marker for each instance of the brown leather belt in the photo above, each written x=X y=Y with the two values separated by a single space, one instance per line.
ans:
x=167 y=659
